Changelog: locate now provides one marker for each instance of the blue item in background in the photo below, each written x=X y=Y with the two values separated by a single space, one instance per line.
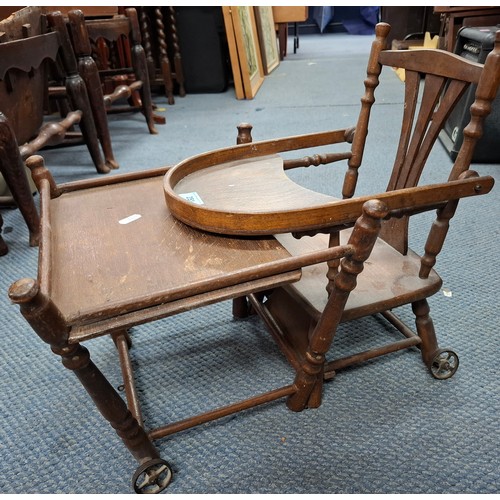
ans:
x=355 y=20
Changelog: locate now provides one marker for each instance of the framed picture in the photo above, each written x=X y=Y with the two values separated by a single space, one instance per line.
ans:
x=244 y=50
x=267 y=38
x=233 y=53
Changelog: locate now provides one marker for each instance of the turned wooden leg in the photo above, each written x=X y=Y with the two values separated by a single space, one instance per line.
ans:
x=309 y=378
x=316 y=394
x=179 y=74
x=101 y=121
x=47 y=321
x=90 y=74
x=166 y=71
x=140 y=66
x=425 y=330
x=145 y=92
x=442 y=363
x=80 y=101
x=14 y=173
x=77 y=359
x=153 y=474
x=146 y=29
x=123 y=344
x=308 y=382
x=77 y=93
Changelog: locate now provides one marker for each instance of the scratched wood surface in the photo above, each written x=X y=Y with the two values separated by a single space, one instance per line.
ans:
x=116 y=248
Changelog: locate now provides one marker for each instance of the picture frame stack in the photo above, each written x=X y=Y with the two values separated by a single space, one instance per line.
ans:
x=253 y=48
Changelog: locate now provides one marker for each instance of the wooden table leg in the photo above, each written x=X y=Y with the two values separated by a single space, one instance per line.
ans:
x=108 y=401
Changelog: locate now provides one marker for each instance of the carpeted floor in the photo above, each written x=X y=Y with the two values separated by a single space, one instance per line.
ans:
x=384 y=427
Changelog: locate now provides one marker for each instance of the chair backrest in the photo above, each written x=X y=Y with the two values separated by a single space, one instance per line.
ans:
x=110 y=50
x=110 y=41
x=26 y=47
x=22 y=72
x=24 y=22
x=37 y=46
x=435 y=80
x=20 y=22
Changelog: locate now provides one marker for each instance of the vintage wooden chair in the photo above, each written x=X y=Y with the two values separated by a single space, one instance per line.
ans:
x=113 y=64
x=188 y=268
x=117 y=221
x=57 y=93
x=25 y=48
x=244 y=191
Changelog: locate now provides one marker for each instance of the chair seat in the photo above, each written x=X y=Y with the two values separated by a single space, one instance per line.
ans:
x=389 y=279
x=116 y=251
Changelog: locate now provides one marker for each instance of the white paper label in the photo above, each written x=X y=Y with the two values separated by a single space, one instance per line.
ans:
x=192 y=197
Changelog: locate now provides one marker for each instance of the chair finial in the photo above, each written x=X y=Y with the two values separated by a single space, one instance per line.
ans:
x=244 y=133
x=39 y=172
x=382 y=29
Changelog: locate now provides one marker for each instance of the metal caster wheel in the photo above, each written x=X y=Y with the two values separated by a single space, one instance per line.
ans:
x=152 y=476
x=444 y=364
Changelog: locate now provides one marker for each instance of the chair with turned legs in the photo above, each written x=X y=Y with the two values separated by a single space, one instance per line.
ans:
x=220 y=226
x=113 y=64
x=244 y=190
x=187 y=269
x=26 y=48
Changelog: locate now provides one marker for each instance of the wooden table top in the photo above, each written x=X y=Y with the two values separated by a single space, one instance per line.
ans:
x=116 y=249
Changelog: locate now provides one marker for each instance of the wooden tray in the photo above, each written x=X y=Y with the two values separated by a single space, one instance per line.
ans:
x=243 y=190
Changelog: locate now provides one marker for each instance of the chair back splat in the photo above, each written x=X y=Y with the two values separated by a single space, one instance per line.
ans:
x=431 y=92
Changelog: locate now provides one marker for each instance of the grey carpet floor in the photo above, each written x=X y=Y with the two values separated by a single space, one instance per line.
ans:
x=384 y=427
